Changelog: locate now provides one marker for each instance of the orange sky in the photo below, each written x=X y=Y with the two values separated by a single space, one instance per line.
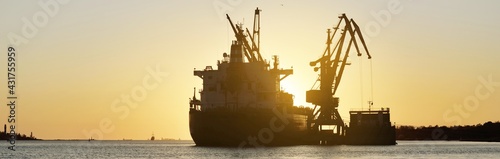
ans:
x=115 y=69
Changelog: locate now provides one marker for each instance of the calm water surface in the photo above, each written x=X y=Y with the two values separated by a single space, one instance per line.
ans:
x=187 y=149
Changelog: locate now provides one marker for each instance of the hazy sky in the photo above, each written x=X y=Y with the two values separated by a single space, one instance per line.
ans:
x=123 y=69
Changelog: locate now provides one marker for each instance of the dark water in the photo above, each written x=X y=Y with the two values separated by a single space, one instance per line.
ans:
x=186 y=149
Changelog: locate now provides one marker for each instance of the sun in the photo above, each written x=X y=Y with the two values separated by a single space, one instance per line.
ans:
x=297 y=89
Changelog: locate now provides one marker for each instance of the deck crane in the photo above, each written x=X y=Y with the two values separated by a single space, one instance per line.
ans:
x=252 y=46
x=331 y=68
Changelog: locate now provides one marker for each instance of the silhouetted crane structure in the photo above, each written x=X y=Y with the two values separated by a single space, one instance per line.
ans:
x=251 y=45
x=325 y=118
x=252 y=51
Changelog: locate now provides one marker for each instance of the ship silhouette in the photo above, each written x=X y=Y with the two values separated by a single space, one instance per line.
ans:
x=242 y=104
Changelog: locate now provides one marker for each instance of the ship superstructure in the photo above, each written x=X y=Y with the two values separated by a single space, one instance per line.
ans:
x=238 y=82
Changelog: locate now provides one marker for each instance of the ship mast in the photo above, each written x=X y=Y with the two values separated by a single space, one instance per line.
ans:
x=252 y=50
x=252 y=46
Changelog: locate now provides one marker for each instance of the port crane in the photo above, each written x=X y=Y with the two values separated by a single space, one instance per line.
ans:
x=251 y=45
x=331 y=67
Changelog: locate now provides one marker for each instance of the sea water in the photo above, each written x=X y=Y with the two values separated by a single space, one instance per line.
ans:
x=187 y=149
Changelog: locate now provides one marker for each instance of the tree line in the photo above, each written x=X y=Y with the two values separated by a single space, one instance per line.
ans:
x=489 y=131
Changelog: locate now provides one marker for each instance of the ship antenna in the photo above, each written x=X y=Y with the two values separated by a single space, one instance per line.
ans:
x=194 y=93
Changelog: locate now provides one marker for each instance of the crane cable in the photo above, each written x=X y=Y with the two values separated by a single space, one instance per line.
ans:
x=370 y=102
x=361 y=79
x=371 y=80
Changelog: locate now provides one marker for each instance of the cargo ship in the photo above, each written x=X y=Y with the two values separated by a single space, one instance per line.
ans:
x=241 y=102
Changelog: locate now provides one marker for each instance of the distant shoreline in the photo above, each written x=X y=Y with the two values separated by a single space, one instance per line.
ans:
x=107 y=140
x=487 y=132
x=479 y=140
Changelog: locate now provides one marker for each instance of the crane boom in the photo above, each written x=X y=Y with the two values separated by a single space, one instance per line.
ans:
x=239 y=37
x=252 y=51
x=247 y=49
x=254 y=47
x=341 y=70
x=333 y=69
x=256 y=33
x=358 y=31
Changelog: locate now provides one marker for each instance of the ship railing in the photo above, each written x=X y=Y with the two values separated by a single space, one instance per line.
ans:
x=370 y=109
x=195 y=104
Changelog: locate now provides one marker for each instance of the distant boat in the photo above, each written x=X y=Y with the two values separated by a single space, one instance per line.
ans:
x=153 y=137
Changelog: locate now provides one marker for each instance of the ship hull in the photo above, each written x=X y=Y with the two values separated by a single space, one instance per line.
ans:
x=258 y=128
x=371 y=127
x=371 y=135
x=248 y=128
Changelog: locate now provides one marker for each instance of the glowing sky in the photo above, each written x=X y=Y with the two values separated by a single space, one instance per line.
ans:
x=434 y=62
